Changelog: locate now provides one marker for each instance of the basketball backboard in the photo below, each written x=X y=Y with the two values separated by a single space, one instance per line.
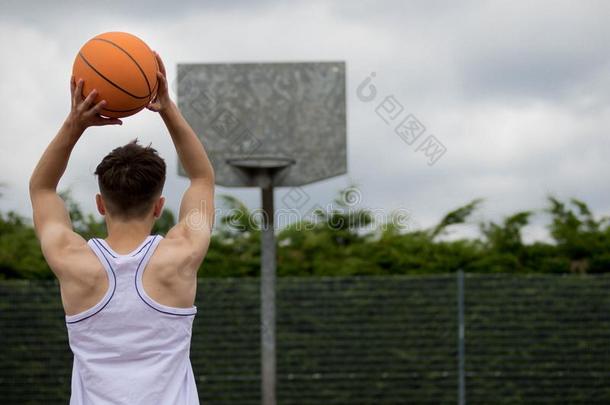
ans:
x=248 y=114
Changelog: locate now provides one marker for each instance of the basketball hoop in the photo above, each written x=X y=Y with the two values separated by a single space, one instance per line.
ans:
x=268 y=125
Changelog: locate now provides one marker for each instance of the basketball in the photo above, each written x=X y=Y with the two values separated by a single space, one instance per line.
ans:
x=122 y=68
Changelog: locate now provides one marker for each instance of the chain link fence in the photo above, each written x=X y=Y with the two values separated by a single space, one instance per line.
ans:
x=356 y=340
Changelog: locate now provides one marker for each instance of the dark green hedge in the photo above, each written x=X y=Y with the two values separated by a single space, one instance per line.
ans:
x=355 y=340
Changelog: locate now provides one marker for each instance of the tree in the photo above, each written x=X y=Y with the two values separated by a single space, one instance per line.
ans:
x=164 y=223
x=505 y=249
x=235 y=246
x=84 y=224
x=455 y=217
x=20 y=254
x=578 y=235
x=346 y=240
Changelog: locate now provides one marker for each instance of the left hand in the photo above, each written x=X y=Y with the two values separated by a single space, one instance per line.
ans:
x=162 y=101
x=84 y=113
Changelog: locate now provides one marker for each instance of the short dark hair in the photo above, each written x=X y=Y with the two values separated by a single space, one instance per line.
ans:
x=130 y=178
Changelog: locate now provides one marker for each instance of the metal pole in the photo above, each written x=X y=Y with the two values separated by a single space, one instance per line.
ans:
x=268 y=265
x=461 y=376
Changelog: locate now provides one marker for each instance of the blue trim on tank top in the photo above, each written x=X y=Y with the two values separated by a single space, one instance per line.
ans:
x=103 y=247
x=138 y=290
x=96 y=243
x=142 y=248
x=136 y=253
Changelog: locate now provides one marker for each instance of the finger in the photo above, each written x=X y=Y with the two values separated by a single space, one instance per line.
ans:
x=72 y=85
x=98 y=107
x=156 y=55
x=88 y=102
x=153 y=107
x=160 y=63
x=101 y=121
x=155 y=95
x=78 y=92
x=162 y=82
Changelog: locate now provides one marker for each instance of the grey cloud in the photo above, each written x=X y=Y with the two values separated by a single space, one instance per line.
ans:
x=532 y=66
x=48 y=12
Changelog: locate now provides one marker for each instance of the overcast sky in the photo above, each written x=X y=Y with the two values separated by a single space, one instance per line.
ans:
x=517 y=92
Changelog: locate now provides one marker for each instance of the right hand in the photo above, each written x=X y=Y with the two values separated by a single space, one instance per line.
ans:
x=162 y=101
x=84 y=112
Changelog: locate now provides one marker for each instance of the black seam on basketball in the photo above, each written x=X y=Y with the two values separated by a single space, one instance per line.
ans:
x=108 y=80
x=130 y=57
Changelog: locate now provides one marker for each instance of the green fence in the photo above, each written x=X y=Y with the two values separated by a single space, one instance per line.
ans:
x=356 y=340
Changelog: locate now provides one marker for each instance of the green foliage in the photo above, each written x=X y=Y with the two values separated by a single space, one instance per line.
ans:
x=89 y=227
x=531 y=339
x=84 y=224
x=504 y=244
x=164 y=223
x=235 y=247
x=20 y=254
x=458 y=216
x=580 y=238
x=346 y=240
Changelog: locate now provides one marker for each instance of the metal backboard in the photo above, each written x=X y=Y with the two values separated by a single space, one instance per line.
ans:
x=261 y=112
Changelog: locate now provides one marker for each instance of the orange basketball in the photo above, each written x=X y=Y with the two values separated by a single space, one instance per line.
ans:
x=122 y=68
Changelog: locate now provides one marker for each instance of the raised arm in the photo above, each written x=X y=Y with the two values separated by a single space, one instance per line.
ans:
x=196 y=216
x=51 y=219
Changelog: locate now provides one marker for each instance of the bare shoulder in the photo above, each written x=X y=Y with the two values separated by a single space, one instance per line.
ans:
x=82 y=278
x=72 y=260
x=83 y=266
x=178 y=259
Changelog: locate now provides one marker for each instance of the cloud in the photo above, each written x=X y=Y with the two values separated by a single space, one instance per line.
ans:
x=517 y=92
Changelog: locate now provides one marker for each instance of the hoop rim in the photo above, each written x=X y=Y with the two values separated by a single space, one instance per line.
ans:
x=261 y=162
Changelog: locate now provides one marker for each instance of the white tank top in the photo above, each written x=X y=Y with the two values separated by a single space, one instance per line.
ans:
x=129 y=349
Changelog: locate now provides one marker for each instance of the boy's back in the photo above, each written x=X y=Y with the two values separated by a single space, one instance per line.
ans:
x=128 y=347
x=129 y=310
